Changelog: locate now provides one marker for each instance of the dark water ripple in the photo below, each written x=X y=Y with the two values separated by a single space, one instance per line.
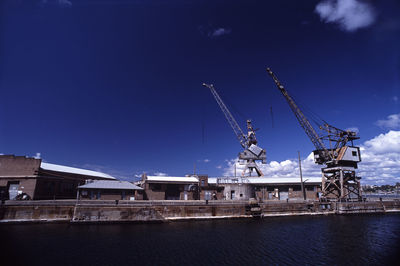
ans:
x=330 y=240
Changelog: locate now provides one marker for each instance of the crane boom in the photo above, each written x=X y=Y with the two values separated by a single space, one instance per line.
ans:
x=304 y=123
x=238 y=131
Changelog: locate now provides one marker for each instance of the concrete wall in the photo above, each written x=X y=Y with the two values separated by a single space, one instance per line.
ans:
x=26 y=185
x=241 y=191
x=219 y=192
x=154 y=194
x=161 y=211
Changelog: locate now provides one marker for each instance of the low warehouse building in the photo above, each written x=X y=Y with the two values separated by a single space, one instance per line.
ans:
x=170 y=187
x=40 y=181
x=229 y=188
x=267 y=188
x=110 y=190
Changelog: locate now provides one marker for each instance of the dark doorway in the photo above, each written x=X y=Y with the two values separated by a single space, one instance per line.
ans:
x=232 y=194
x=172 y=192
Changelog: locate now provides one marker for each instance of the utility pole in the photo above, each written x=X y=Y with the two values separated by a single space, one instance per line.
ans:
x=301 y=178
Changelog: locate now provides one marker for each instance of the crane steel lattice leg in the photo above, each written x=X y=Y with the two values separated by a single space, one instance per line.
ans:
x=340 y=183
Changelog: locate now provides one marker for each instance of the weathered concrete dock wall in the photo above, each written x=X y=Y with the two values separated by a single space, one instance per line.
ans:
x=163 y=211
x=37 y=211
x=157 y=211
x=279 y=208
x=124 y=211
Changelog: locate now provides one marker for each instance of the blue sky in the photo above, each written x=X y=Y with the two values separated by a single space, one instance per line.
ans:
x=116 y=85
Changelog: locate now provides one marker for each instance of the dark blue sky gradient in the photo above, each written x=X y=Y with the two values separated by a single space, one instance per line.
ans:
x=117 y=84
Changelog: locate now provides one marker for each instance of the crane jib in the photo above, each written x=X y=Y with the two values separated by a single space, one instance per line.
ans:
x=304 y=123
x=232 y=122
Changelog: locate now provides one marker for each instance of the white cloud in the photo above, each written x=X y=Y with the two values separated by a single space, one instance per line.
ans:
x=286 y=168
x=395 y=99
x=219 y=32
x=392 y=122
x=213 y=32
x=219 y=166
x=37 y=156
x=384 y=143
x=206 y=160
x=381 y=158
x=380 y=162
x=160 y=174
x=350 y=15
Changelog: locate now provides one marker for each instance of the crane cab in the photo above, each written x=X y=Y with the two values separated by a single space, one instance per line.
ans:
x=345 y=156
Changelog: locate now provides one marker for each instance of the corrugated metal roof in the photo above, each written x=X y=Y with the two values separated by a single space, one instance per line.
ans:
x=173 y=179
x=266 y=180
x=73 y=170
x=108 y=184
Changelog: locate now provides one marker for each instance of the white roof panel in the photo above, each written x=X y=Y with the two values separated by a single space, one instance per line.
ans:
x=173 y=179
x=73 y=170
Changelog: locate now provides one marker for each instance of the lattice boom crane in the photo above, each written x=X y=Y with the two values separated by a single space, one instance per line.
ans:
x=252 y=152
x=338 y=178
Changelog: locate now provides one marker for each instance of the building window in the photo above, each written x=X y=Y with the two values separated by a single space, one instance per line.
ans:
x=354 y=153
x=156 y=187
x=203 y=183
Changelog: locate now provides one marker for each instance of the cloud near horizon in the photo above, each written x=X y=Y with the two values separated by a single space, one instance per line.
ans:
x=350 y=15
x=380 y=162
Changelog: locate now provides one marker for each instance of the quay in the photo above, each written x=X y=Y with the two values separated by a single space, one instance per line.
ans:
x=158 y=211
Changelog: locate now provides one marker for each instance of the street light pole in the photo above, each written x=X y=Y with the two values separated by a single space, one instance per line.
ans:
x=301 y=178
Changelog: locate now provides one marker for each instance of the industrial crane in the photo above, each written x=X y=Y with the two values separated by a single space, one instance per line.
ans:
x=252 y=152
x=339 y=180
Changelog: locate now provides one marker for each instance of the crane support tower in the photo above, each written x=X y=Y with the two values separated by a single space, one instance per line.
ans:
x=339 y=180
x=252 y=152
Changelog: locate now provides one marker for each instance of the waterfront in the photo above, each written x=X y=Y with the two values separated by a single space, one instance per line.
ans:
x=301 y=240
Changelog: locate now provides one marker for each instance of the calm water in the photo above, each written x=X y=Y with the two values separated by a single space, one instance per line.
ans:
x=330 y=240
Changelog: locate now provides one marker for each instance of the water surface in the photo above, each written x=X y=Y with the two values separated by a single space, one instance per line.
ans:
x=319 y=240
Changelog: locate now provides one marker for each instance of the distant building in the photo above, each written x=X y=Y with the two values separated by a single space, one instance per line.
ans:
x=210 y=191
x=110 y=190
x=170 y=187
x=39 y=180
x=268 y=188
